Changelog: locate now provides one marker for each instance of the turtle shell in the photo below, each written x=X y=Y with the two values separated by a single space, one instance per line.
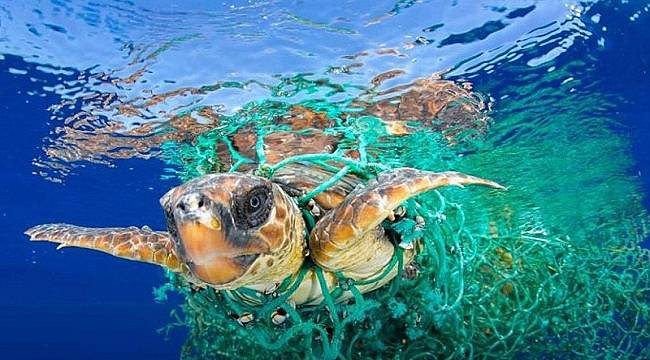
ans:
x=434 y=104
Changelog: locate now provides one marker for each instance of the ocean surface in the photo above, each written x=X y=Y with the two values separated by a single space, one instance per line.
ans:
x=567 y=83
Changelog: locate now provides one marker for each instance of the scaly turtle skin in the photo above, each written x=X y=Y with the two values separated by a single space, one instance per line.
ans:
x=235 y=230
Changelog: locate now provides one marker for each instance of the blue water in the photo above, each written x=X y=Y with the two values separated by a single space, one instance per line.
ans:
x=76 y=304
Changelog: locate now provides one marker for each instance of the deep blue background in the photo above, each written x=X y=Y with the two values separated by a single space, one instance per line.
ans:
x=103 y=301
x=625 y=69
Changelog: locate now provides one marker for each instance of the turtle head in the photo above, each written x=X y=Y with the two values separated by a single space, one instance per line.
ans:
x=234 y=230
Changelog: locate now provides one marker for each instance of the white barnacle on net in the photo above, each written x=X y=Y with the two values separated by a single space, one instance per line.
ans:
x=245 y=318
x=397 y=214
x=419 y=221
x=270 y=289
x=314 y=208
x=279 y=316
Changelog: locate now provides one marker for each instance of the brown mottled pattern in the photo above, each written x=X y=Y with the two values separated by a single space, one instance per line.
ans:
x=439 y=104
x=303 y=178
x=424 y=100
x=390 y=74
x=301 y=118
x=114 y=141
x=158 y=98
x=289 y=256
x=367 y=207
x=279 y=145
x=273 y=233
x=140 y=244
x=283 y=145
x=243 y=140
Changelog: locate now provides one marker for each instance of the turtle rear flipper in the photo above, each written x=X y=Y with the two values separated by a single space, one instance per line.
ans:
x=133 y=243
x=348 y=238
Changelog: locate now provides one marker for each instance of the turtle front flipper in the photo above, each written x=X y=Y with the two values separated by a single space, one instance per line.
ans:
x=349 y=239
x=133 y=243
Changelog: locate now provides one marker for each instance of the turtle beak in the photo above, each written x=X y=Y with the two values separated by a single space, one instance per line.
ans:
x=202 y=243
x=208 y=254
x=205 y=243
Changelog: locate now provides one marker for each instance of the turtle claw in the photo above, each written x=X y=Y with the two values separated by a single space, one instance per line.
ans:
x=140 y=244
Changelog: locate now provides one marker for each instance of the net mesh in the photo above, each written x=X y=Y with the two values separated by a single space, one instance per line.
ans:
x=498 y=275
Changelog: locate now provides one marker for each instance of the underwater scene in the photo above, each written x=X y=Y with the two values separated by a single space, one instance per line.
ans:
x=403 y=179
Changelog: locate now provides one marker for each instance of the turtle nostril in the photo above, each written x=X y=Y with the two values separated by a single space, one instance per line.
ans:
x=193 y=202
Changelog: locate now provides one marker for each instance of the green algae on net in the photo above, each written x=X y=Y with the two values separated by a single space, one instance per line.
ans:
x=538 y=270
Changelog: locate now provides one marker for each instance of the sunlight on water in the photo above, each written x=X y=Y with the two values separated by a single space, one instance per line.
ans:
x=143 y=72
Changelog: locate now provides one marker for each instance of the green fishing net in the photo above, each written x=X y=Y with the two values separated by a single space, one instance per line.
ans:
x=551 y=268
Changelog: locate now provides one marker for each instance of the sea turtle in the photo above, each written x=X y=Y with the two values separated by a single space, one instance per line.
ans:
x=233 y=230
x=237 y=230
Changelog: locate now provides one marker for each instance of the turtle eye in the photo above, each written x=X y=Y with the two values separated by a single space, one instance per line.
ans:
x=252 y=209
x=255 y=201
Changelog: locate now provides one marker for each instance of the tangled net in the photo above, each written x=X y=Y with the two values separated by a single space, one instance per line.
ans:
x=493 y=279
